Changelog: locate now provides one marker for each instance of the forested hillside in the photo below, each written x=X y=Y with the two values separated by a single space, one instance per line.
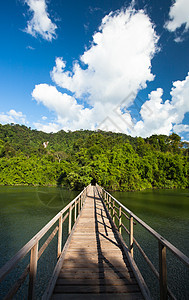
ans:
x=72 y=159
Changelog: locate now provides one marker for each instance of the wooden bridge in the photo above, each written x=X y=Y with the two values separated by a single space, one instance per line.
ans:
x=95 y=262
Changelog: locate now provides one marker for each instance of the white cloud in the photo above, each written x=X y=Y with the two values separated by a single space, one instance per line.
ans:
x=157 y=117
x=165 y=117
x=12 y=116
x=118 y=62
x=70 y=114
x=50 y=127
x=40 y=24
x=179 y=15
x=181 y=128
x=30 y=48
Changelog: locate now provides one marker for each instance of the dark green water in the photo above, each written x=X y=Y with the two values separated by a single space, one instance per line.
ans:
x=167 y=212
x=25 y=210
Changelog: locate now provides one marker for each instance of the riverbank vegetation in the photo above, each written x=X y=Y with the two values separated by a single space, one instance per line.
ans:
x=72 y=159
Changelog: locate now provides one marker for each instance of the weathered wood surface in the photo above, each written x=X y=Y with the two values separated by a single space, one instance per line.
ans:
x=95 y=264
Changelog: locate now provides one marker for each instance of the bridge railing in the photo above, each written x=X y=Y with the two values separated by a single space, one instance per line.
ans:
x=117 y=211
x=71 y=211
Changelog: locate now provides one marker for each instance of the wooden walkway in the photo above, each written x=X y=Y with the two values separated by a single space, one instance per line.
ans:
x=95 y=265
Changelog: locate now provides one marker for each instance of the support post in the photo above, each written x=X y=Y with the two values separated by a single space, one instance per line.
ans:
x=75 y=211
x=120 y=221
x=162 y=272
x=131 y=236
x=33 y=271
x=80 y=202
x=113 y=211
x=79 y=207
x=70 y=220
x=59 y=237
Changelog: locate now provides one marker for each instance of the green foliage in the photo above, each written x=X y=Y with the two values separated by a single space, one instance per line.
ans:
x=72 y=159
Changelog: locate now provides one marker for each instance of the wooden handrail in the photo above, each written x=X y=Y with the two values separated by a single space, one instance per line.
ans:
x=32 y=246
x=163 y=243
x=172 y=248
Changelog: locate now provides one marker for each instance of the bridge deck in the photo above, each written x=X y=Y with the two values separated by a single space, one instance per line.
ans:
x=95 y=265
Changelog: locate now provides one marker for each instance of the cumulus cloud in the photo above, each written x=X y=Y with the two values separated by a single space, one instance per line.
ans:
x=167 y=116
x=40 y=24
x=179 y=15
x=12 y=116
x=117 y=63
x=107 y=79
x=70 y=114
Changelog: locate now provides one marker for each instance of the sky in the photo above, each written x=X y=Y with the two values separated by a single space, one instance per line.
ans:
x=114 y=65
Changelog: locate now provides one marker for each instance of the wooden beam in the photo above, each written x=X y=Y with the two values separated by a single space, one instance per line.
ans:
x=33 y=271
x=131 y=236
x=59 y=237
x=162 y=272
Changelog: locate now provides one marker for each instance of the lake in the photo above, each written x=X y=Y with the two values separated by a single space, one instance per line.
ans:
x=167 y=212
x=25 y=210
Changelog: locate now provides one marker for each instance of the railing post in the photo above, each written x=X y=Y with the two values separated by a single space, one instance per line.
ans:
x=113 y=211
x=33 y=271
x=80 y=202
x=59 y=237
x=70 y=220
x=75 y=211
x=131 y=235
x=79 y=208
x=120 y=221
x=162 y=271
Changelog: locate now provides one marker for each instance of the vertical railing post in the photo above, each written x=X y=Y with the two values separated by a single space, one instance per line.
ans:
x=103 y=195
x=113 y=211
x=120 y=221
x=80 y=202
x=75 y=211
x=131 y=236
x=59 y=237
x=33 y=271
x=79 y=208
x=162 y=271
x=109 y=204
x=70 y=220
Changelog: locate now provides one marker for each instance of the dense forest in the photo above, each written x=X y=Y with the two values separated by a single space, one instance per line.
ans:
x=72 y=159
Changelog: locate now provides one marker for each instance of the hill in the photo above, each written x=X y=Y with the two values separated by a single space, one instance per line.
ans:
x=72 y=159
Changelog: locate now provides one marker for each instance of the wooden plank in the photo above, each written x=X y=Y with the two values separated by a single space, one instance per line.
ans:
x=96 y=289
x=86 y=274
x=95 y=280
x=104 y=296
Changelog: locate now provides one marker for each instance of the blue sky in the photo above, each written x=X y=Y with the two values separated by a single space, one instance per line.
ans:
x=111 y=65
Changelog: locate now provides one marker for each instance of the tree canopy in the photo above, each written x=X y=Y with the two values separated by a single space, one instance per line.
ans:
x=72 y=159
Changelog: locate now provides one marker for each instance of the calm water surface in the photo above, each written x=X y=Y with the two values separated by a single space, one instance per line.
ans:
x=167 y=212
x=25 y=210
